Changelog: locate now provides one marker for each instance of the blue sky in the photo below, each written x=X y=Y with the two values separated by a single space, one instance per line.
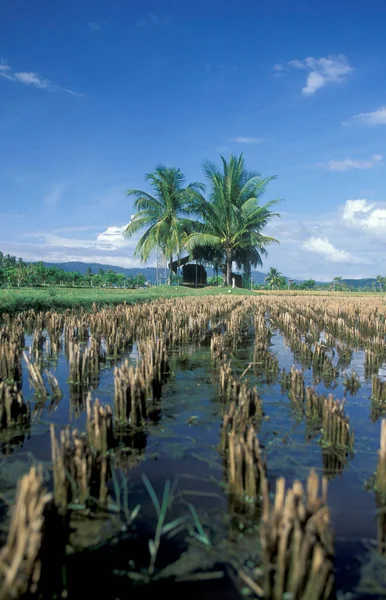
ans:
x=94 y=94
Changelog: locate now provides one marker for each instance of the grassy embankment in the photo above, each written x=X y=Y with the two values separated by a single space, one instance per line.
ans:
x=58 y=298
x=13 y=300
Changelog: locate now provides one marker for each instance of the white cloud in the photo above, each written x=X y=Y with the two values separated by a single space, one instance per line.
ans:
x=347 y=163
x=332 y=69
x=113 y=236
x=93 y=26
x=246 y=140
x=31 y=79
x=376 y=117
x=339 y=249
x=323 y=247
x=109 y=240
x=315 y=81
x=367 y=218
x=108 y=247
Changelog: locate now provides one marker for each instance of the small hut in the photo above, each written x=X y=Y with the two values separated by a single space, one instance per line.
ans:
x=193 y=274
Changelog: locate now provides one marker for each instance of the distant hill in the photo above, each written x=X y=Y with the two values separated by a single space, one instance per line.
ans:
x=361 y=283
x=81 y=267
x=151 y=273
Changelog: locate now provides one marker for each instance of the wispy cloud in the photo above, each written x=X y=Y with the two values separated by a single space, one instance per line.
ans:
x=279 y=70
x=75 y=228
x=152 y=20
x=108 y=240
x=54 y=196
x=321 y=71
x=93 y=26
x=246 y=140
x=105 y=247
x=30 y=78
x=376 y=117
x=347 y=164
x=58 y=254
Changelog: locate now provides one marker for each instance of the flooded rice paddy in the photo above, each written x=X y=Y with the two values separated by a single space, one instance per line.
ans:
x=169 y=481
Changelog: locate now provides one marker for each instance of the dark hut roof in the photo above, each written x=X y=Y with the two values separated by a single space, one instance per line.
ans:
x=179 y=263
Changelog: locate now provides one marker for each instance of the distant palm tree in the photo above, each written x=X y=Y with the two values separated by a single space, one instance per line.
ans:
x=337 y=283
x=275 y=279
x=381 y=281
x=232 y=219
x=164 y=214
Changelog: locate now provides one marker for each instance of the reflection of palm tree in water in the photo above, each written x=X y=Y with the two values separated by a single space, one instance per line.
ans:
x=14 y=418
x=334 y=462
x=14 y=440
x=380 y=500
x=380 y=496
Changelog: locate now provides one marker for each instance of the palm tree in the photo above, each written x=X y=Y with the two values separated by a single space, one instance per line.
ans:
x=274 y=278
x=232 y=219
x=163 y=214
x=381 y=281
x=248 y=257
x=337 y=283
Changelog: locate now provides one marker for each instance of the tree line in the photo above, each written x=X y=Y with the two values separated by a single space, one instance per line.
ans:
x=276 y=281
x=14 y=272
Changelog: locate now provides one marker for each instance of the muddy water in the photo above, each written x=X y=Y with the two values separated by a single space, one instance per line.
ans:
x=181 y=445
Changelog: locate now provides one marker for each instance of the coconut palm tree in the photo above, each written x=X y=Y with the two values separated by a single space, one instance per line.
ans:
x=248 y=257
x=337 y=283
x=381 y=281
x=231 y=218
x=163 y=214
x=274 y=279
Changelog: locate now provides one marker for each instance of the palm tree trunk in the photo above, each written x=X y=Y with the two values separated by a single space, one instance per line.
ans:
x=171 y=270
x=229 y=267
x=247 y=274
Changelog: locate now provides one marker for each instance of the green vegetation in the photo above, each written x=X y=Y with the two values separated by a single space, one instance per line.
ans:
x=227 y=225
x=275 y=280
x=14 y=272
x=13 y=300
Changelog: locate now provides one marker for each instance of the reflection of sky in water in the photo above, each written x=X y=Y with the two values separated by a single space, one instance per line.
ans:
x=184 y=441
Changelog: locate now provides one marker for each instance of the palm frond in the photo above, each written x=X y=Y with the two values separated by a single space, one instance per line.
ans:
x=202 y=239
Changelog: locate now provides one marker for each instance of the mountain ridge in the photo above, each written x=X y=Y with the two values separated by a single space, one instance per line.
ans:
x=151 y=273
